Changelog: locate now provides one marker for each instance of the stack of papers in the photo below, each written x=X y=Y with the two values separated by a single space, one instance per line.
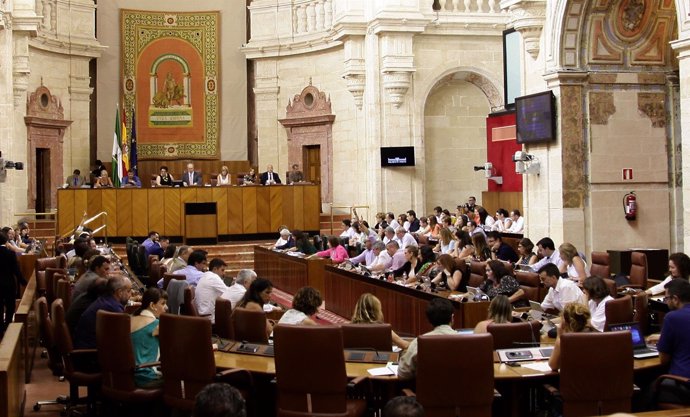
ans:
x=389 y=370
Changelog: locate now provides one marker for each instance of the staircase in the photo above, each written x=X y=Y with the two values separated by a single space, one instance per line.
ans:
x=325 y=224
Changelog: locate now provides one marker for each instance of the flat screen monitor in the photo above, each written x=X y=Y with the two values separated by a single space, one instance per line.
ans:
x=535 y=118
x=397 y=156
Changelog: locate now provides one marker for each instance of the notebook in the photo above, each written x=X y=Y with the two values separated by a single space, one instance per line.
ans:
x=640 y=348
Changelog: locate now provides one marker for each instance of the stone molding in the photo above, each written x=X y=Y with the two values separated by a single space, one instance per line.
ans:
x=528 y=18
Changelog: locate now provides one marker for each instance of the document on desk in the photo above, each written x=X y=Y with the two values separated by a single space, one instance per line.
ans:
x=538 y=366
x=389 y=370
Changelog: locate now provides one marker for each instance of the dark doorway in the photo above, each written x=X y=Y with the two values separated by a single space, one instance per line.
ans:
x=43 y=186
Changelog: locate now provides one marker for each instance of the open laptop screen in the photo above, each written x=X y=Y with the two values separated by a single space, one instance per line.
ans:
x=635 y=332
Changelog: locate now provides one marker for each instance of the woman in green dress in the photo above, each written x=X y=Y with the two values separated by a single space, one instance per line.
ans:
x=144 y=332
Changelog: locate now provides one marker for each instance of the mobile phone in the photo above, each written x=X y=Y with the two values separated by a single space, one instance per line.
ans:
x=513 y=364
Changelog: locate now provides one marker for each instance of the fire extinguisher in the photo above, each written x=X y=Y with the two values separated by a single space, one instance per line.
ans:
x=630 y=206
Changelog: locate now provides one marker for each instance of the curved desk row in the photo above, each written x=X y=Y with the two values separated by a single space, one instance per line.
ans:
x=240 y=210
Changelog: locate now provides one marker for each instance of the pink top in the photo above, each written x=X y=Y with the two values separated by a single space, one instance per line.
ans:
x=337 y=254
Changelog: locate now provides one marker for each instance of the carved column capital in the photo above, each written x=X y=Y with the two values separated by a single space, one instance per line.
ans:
x=355 y=68
x=527 y=17
x=396 y=84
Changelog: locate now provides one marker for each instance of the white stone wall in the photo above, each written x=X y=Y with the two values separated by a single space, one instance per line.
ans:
x=233 y=82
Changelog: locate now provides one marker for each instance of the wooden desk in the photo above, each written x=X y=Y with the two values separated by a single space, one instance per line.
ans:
x=27 y=263
x=404 y=308
x=289 y=273
x=12 y=386
x=26 y=315
x=241 y=210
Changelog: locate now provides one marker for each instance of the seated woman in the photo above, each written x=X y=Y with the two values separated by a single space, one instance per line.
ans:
x=368 y=311
x=574 y=319
x=257 y=296
x=305 y=304
x=224 y=176
x=464 y=247
x=500 y=311
x=164 y=179
x=573 y=265
x=411 y=266
x=103 y=181
x=526 y=252
x=144 y=333
x=449 y=275
x=381 y=222
x=500 y=282
x=303 y=243
x=446 y=243
x=484 y=220
x=427 y=258
x=482 y=252
x=503 y=221
x=434 y=229
x=678 y=267
x=474 y=229
x=597 y=295
x=249 y=178
x=12 y=240
x=335 y=251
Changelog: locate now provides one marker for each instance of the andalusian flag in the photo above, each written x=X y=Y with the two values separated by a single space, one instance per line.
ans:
x=133 y=158
x=117 y=150
x=124 y=145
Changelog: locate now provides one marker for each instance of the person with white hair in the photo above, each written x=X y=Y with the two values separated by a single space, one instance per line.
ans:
x=236 y=291
x=285 y=241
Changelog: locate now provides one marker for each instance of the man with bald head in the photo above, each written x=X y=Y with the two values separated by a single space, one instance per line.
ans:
x=191 y=177
x=269 y=177
x=115 y=297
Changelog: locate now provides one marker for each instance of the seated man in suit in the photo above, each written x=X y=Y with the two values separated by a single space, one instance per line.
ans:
x=191 y=177
x=269 y=177
x=130 y=180
x=295 y=175
x=75 y=180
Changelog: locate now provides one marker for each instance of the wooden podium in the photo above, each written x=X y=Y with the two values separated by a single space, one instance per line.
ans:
x=200 y=223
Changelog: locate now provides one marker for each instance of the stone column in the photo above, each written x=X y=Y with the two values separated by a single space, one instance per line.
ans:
x=682 y=47
x=75 y=154
x=266 y=91
x=8 y=182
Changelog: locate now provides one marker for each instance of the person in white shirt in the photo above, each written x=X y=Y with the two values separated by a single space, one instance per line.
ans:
x=209 y=288
x=284 y=237
x=518 y=225
x=404 y=238
x=546 y=250
x=383 y=260
x=390 y=218
x=561 y=291
x=397 y=254
x=678 y=267
x=237 y=290
x=388 y=235
x=598 y=295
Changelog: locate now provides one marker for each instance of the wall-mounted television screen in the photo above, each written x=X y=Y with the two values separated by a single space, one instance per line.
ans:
x=535 y=116
x=397 y=156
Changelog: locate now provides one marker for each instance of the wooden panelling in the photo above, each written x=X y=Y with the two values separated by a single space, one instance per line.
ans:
x=494 y=200
x=140 y=209
x=312 y=204
x=124 y=208
x=65 y=216
x=276 y=205
x=249 y=210
x=287 y=272
x=263 y=209
x=236 y=208
x=203 y=225
x=156 y=213
x=173 y=212
x=241 y=210
x=109 y=205
x=25 y=315
x=404 y=308
x=12 y=386
x=220 y=196
x=294 y=204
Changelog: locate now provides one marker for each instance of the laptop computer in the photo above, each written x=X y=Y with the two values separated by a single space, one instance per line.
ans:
x=640 y=348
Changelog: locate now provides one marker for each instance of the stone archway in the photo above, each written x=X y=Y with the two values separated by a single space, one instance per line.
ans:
x=46 y=124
